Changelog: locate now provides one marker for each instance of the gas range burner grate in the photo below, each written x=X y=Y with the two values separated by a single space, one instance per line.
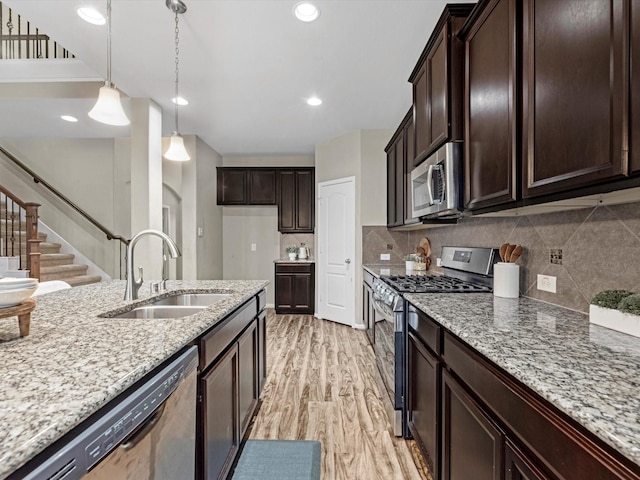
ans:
x=432 y=284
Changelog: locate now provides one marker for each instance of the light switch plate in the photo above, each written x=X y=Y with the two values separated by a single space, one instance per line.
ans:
x=385 y=256
x=547 y=283
x=201 y=231
x=253 y=247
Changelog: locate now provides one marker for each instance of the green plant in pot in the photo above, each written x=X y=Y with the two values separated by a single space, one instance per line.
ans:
x=292 y=251
x=409 y=261
x=617 y=310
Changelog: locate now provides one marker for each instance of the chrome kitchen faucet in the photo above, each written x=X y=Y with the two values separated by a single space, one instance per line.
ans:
x=133 y=285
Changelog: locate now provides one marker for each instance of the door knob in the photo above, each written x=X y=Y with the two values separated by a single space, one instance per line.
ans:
x=348 y=260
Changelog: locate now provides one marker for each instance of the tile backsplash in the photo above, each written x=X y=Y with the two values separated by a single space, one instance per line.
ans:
x=297 y=239
x=600 y=248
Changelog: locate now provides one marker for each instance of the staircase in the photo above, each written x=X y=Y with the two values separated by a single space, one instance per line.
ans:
x=53 y=264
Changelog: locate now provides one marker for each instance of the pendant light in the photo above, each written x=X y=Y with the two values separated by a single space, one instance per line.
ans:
x=108 y=108
x=176 y=150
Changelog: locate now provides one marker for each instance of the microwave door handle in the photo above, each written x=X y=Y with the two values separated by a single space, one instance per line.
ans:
x=429 y=181
x=443 y=181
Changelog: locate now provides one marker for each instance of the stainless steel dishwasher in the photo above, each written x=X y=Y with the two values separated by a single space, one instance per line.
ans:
x=147 y=434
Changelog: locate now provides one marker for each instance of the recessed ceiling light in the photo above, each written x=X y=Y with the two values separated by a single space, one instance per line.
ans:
x=180 y=101
x=68 y=118
x=91 y=15
x=306 y=11
x=314 y=101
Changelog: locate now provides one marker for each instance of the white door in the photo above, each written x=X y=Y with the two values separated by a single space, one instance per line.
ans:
x=336 y=250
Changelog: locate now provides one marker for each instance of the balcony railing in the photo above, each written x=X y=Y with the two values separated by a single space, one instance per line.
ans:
x=21 y=40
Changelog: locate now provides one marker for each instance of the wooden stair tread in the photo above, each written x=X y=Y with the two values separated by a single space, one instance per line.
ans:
x=72 y=267
x=79 y=280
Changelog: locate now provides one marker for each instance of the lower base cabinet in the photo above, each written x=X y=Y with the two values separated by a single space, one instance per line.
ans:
x=295 y=288
x=519 y=467
x=221 y=428
x=233 y=372
x=471 y=443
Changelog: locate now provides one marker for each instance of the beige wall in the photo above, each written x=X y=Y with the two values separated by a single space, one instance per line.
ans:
x=359 y=154
x=244 y=226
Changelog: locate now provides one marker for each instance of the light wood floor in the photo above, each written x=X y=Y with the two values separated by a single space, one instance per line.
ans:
x=321 y=386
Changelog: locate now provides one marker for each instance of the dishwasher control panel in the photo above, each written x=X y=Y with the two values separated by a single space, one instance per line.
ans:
x=132 y=422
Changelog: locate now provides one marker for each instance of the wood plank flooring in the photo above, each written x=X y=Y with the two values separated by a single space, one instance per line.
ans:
x=321 y=386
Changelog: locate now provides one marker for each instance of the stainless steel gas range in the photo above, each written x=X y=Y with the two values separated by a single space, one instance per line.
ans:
x=466 y=270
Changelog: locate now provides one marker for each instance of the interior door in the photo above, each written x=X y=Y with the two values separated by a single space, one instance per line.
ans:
x=336 y=250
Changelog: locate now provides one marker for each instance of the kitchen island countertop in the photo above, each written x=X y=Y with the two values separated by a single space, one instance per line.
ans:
x=74 y=362
x=588 y=372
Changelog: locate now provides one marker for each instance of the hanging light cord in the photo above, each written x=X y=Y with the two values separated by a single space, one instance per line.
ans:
x=177 y=52
x=109 y=43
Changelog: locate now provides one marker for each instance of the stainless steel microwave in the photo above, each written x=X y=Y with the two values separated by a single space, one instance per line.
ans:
x=436 y=184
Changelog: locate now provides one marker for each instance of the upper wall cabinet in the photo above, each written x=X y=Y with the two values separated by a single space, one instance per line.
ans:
x=398 y=168
x=437 y=85
x=491 y=128
x=246 y=186
x=573 y=94
x=296 y=200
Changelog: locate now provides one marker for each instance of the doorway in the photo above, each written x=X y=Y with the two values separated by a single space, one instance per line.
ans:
x=336 y=250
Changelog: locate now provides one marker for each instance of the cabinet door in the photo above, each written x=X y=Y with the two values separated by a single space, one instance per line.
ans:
x=232 y=186
x=391 y=186
x=262 y=187
x=286 y=201
x=423 y=408
x=490 y=110
x=221 y=430
x=438 y=92
x=399 y=182
x=573 y=84
x=634 y=114
x=305 y=200
x=409 y=155
x=420 y=115
x=262 y=356
x=295 y=288
x=247 y=375
x=471 y=443
x=520 y=467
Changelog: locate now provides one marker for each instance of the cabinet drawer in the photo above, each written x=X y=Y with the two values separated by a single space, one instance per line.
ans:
x=566 y=450
x=293 y=268
x=216 y=341
x=428 y=331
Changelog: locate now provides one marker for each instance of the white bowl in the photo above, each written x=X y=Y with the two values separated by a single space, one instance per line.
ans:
x=9 y=298
x=10 y=283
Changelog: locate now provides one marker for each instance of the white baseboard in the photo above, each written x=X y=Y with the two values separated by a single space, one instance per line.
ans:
x=269 y=305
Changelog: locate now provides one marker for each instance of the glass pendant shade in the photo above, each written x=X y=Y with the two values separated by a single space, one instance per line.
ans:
x=108 y=108
x=177 y=150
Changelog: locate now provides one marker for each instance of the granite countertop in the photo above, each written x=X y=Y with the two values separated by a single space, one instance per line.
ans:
x=74 y=362
x=588 y=372
x=297 y=260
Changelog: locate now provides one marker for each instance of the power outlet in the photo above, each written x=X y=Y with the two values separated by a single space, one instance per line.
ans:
x=547 y=283
x=385 y=256
x=253 y=247
x=438 y=262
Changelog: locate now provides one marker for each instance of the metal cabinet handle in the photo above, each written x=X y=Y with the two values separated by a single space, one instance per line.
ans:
x=348 y=260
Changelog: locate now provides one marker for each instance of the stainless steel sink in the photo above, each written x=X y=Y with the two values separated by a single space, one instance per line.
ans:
x=193 y=299
x=162 y=311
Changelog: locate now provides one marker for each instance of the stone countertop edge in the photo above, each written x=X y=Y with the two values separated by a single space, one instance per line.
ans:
x=298 y=260
x=588 y=372
x=75 y=362
x=380 y=269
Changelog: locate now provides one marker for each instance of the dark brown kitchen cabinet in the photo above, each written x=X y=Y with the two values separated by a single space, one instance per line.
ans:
x=296 y=200
x=248 y=372
x=221 y=428
x=397 y=163
x=232 y=364
x=634 y=114
x=519 y=467
x=295 y=288
x=409 y=155
x=246 y=186
x=573 y=94
x=423 y=393
x=491 y=127
x=437 y=85
x=471 y=443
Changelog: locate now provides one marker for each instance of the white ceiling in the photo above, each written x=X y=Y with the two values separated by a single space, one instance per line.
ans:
x=246 y=66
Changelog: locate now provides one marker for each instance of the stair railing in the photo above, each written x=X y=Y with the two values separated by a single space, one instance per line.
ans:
x=123 y=242
x=20 y=40
x=26 y=246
